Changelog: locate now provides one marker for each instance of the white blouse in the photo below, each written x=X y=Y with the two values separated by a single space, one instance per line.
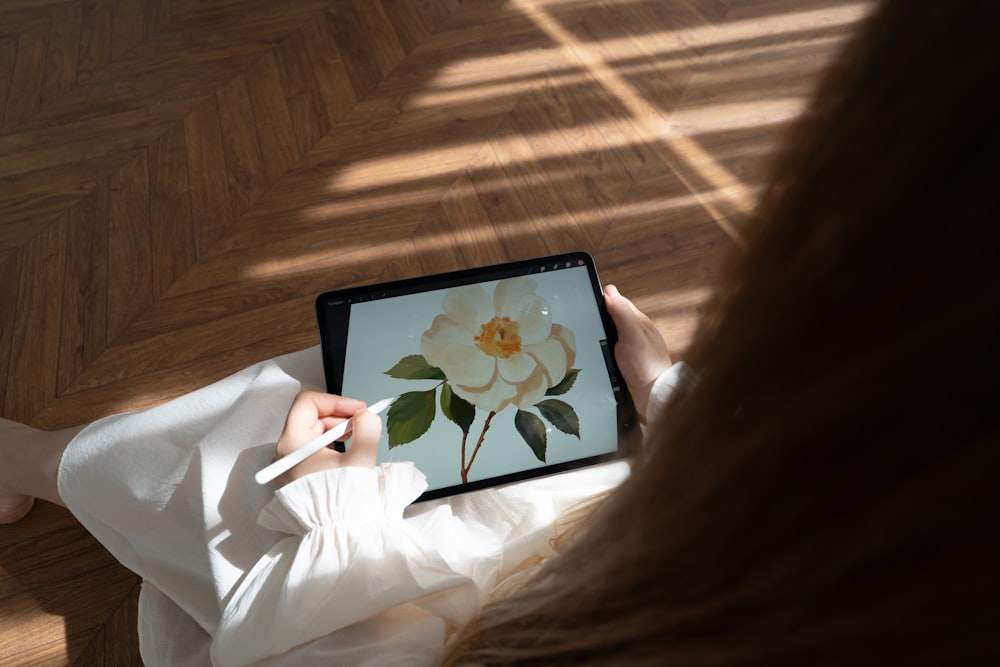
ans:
x=337 y=567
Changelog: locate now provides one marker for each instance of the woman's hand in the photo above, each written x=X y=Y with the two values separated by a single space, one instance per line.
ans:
x=641 y=352
x=312 y=414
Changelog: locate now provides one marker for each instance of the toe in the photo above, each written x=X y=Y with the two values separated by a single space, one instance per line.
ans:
x=15 y=508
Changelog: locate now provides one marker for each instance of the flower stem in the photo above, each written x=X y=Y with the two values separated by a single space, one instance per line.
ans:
x=466 y=469
x=465 y=472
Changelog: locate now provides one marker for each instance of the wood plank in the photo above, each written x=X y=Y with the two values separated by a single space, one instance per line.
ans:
x=274 y=123
x=32 y=370
x=94 y=51
x=16 y=15
x=514 y=226
x=8 y=56
x=169 y=73
x=116 y=133
x=244 y=161
x=458 y=233
x=61 y=60
x=44 y=653
x=215 y=338
x=127 y=27
x=69 y=611
x=538 y=190
x=130 y=274
x=413 y=22
x=344 y=181
x=301 y=93
x=25 y=84
x=249 y=15
x=566 y=141
x=85 y=308
x=254 y=278
x=157 y=16
x=386 y=49
x=159 y=385
x=28 y=201
x=173 y=245
x=10 y=272
x=120 y=638
x=364 y=60
x=329 y=69
x=212 y=207
x=91 y=645
x=61 y=550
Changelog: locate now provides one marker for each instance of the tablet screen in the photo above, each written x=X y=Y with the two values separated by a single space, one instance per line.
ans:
x=503 y=373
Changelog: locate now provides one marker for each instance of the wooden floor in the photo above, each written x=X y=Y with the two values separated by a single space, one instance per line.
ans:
x=180 y=178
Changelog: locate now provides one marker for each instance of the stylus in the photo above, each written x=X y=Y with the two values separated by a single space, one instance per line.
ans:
x=286 y=463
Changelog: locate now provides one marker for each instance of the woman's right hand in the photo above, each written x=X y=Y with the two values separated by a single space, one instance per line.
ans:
x=313 y=413
x=641 y=352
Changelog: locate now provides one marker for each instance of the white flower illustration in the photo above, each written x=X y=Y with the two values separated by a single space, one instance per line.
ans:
x=499 y=351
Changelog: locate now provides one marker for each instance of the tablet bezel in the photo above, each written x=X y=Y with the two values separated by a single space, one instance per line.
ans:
x=332 y=328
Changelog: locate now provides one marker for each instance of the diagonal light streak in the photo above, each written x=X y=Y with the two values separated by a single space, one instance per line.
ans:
x=731 y=195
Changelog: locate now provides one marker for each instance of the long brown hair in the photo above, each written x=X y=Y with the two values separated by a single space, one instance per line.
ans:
x=828 y=492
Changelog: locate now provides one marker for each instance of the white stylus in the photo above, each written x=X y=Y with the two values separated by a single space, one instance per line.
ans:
x=285 y=463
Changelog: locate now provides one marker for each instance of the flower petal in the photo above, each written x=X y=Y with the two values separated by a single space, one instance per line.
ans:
x=466 y=365
x=469 y=306
x=551 y=357
x=517 y=368
x=531 y=390
x=534 y=318
x=569 y=343
x=510 y=292
x=443 y=332
x=492 y=398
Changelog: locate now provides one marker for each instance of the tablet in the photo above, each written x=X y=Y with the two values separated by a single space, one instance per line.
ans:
x=503 y=373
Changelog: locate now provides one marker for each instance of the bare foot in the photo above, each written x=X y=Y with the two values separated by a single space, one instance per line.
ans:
x=13 y=506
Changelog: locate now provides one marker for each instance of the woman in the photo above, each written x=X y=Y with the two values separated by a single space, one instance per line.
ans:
x=827 y=493
x=822 y=495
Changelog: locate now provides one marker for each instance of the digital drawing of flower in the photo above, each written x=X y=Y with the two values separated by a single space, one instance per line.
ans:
x=501 y=350
x=489 y=353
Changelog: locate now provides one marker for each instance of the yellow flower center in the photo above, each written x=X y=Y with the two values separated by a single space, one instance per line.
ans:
x=500 y=337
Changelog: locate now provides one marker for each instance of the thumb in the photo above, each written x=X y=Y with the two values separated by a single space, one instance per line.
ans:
x=363 y=450
x=627 y=318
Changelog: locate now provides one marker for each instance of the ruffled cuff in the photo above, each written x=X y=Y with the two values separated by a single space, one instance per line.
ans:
x=349 y=556
x=343 y=496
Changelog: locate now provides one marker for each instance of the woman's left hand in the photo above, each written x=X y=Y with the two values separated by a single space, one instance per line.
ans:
x=313 y=413
x=641 y=352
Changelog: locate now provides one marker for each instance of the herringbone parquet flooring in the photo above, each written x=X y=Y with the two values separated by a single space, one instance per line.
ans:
x=180 y=178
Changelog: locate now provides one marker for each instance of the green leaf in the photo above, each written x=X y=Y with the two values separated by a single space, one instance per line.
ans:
x=565 y=384
x=410 y=416
x=561 y=415
x=532 y=430
x=456 y=408
x=415 y=367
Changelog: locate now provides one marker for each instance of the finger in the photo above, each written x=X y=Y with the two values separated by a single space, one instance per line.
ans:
x=363 y=450
x=332 y=405
x=628 y=319
x=312 y=406
x=312 y=413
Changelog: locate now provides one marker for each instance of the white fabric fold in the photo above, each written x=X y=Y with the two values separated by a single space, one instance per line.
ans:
x=349 y=556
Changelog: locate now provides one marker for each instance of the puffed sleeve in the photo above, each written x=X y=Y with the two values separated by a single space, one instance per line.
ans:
x=349 y=555
x=678 y=375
